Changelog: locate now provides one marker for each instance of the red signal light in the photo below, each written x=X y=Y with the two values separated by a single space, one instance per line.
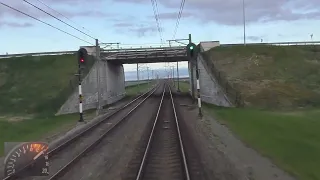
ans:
x=82 y=60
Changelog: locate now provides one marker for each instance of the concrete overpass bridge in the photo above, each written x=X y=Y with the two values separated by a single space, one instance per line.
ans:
x=145 y=55
x=104 y=84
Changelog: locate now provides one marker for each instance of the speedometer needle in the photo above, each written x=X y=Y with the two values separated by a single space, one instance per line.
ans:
x=39 y=154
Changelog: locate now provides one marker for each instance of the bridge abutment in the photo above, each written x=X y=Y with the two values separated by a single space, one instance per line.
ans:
x=210 y=90
x=112 y=88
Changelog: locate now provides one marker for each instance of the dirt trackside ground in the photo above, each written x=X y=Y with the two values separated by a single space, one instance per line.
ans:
x=272 y=76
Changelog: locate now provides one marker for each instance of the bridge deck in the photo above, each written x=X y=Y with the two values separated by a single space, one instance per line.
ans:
x=145 y=55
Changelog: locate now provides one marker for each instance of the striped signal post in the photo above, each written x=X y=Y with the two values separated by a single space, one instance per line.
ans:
x=82 y=60
x=192 y=52
x=198 y=89
x=80 y=100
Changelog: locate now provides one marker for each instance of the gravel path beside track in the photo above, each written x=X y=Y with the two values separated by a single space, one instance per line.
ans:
x=224 y=156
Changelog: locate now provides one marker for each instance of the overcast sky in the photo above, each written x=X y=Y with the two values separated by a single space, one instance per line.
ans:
x=132 y=22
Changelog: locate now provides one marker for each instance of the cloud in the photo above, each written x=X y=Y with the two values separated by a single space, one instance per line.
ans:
x=254 y=38
x=230 y=12
x=15 y=25
x=173 y=15
x=123 y=24
x=140 y=30
x=143 y=31
x=71 y=12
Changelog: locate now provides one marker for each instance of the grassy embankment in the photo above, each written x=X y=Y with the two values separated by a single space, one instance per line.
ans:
x=133 y=90
x=31 y=91
x=281 y=89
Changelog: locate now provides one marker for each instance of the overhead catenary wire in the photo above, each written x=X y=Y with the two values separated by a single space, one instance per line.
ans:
x=62 y=15
x=58 y=19
x=178 y=18
x=154 y=6
x=160 y=26
x=44 y=22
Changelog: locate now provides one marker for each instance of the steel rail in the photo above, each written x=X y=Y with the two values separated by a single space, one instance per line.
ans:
x=87 y=130
x=185 y=164
x=65 y=168
x=143 y=162
x=147 y=150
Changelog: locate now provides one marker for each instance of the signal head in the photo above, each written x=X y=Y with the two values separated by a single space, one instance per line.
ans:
x=192 y=50
x=82 y=56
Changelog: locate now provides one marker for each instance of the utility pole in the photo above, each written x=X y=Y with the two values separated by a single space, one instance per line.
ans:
x=138 y=76
x=178 y=76
x=148 y=76
x=244 y=22
x=152 y=74
x=98 y=77
x=173 y=75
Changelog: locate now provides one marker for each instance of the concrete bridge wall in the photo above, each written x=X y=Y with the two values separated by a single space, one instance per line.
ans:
x=210 y=90
x=112 y=87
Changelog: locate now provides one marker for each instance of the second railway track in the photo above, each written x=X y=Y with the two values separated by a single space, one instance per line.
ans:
x=60 y=157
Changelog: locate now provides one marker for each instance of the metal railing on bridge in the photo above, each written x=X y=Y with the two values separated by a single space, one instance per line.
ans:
x=37 y=54
x=297 y=43
x=151 y=52
x=155 y=47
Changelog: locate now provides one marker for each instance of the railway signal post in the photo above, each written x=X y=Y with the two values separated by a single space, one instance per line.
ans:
x=82 y=61
x=192 y=53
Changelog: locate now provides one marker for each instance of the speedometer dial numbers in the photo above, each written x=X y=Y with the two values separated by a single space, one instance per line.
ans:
x=27 y=159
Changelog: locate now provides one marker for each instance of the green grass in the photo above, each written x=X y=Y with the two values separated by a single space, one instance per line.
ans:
x=184 y=86
x=290 y=139
x=33 y=129
x=32 y=89
x=136 y=89
x=31 y=85
x=272 y=76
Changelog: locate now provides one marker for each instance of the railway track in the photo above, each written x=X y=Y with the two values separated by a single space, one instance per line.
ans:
x=164 y=156
x=61 y=160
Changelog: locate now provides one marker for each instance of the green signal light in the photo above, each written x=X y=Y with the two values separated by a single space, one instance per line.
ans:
x=191 y=47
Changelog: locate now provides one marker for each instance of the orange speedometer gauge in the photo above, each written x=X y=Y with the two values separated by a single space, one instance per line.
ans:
x=27 y=159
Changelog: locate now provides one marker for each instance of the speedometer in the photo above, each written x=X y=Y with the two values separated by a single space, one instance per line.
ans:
x=27 y=159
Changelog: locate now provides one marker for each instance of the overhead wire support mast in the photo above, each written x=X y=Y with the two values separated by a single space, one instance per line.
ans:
x=58 y=19
x=44 y=22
